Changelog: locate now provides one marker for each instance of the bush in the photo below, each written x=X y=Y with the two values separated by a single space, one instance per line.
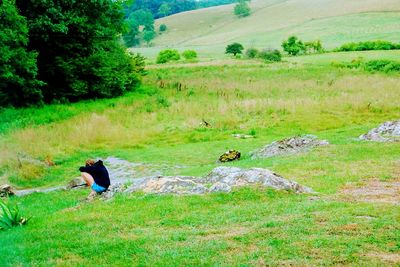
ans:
x=270 y=55
x=241 y=9
x=381 y=65
x=313 y=47
x=368 y=45
x=234 y=48
x=293 y=46
x=168 y=55
x=10 y=216
x=252 y=53
x=189 y=54
x=163 y=28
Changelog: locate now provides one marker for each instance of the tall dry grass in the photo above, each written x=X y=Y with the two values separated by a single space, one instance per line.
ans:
x=228 y=98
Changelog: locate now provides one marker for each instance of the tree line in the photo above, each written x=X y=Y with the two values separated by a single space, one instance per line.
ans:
x=162 y=8
x=62 y=50
x=140 y=16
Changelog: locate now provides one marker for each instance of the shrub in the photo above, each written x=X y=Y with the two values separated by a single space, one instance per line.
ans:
x=368 y=45
x=163 y=101
x=293 y=46
x=189 y=54
x=234 y=48
x=241 y=9
x=270 y=55
x=163 y=28
x=168 y=55
x=382 y=65
x=251 y=52
x=10 y=216
x=313 y=47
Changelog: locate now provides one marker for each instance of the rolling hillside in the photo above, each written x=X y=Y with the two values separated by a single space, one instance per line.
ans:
x=332 y=21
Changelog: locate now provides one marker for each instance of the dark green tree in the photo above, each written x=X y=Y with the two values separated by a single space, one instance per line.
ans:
x=144 y=18
x=148 y=36
x=137 y=21
x=293 y=46
x=18 y=83
x=80 y=55
x=234 y=48
x=131 y=36
x=242 y=9
x=164 y=10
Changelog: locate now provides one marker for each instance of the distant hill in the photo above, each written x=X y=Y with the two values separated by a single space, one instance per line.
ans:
x=332 y=21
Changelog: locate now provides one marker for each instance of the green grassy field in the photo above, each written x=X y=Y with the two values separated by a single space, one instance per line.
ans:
x=251 y=226
x=334 y=22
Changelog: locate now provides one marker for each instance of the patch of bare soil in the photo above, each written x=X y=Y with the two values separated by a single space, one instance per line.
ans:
x=389 y=258
x=225 y=233
x=374 y=191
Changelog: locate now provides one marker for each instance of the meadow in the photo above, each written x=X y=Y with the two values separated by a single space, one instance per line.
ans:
x=334 y=22
x=162 y=123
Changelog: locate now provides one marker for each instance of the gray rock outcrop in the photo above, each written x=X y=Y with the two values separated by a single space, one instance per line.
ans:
x=289 y=146
x=221 y=179
x=386 y=132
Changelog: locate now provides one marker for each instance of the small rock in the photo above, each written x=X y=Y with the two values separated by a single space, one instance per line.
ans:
x=230 y=155
x=386 y=132
x=76 y=182
x=6 y=190
x=289 y=146
x=242 y=136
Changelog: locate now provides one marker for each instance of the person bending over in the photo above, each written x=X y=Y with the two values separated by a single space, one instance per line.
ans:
x=96 y=176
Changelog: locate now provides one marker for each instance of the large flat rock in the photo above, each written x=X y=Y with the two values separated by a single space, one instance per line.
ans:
x=220 y=179
x=386 y=132
x=289 y=146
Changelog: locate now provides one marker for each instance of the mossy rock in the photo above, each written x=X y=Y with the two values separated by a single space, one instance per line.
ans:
x=230 y=155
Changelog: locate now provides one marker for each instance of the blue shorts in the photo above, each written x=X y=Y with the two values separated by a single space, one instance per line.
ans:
x=98 y=188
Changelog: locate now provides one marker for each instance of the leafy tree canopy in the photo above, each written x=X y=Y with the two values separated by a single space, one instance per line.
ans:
x=234 y=48
x=78 y=47
x=293 y=46
x=18 y=70
x=242 y=9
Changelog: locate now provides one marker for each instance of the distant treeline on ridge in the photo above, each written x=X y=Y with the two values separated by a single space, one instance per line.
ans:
x=162 y=8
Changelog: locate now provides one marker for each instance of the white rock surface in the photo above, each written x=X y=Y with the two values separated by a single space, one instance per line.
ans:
x=221 y=179
x=386 y=132
x=289 y=146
